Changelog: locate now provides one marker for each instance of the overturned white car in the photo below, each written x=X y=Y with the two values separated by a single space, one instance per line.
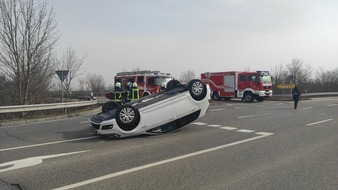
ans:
x=163 y=112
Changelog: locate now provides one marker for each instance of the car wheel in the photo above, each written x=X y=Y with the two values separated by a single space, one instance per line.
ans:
x=109 y=106
x=248 y=97
x=215 y=96
x=127 y=117
x=197 y=89
x=172 y=84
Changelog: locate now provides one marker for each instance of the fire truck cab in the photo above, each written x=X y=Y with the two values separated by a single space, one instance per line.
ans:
x=249 y=86
x=149 y=82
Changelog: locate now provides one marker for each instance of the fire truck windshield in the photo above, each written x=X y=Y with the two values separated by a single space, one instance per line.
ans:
x=265 y=78
x=161 y=80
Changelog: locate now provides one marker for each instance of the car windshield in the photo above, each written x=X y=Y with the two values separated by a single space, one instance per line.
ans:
x=161 y=80
x=266 y=79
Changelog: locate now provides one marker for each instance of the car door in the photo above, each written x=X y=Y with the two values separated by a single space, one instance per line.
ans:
x=184 y=105
x=159 y=113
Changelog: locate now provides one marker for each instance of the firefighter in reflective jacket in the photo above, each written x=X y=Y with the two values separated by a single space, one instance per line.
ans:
x=118 y=93
x=135 y=92
x=126 y=94
x=163 y=87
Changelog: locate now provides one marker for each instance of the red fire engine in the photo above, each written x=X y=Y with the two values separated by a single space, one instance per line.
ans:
x=246 y=85
x=148 y=82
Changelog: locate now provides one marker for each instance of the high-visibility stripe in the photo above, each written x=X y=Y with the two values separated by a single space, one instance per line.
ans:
x=135 y=93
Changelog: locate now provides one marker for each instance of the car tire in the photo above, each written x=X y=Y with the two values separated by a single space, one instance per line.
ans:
x=197 y=89
x=248 y=97
x=127 y=117
x=171 y=85
x=109 y=106
x=216 y=96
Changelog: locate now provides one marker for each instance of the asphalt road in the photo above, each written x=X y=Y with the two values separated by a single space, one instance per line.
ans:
x=237 y=145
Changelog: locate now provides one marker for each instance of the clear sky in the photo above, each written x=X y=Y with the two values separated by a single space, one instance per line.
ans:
x=199 y=35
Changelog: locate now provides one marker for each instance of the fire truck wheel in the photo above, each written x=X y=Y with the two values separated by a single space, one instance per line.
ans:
x=109 y=106
x=127 y=117
x=215 y=96
x=197 y=89
x=248 y=97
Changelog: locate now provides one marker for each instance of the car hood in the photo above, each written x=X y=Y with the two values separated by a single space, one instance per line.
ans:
x=98 y=118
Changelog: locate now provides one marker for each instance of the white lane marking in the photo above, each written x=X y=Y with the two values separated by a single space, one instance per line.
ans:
x=278 y=104
x=246 y=116
x=307 y=108
x=214 y=125
x=28 y=162
x=263 y=133
x=228 y=128
x=319 y=122
x=199 y=123
x=245 y=131
x=220 y=109
x=331 y=105
x=49 y=143
x=127 y=171
x=240 y=107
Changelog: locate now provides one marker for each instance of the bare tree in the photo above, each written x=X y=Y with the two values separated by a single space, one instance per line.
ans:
x=27 y=39
x=73 y=64
x=326 y=81
x=82 y=85
x=301 y=73
x=280 y=75
x=186 y=76
x=4 y=94
x=95 y=82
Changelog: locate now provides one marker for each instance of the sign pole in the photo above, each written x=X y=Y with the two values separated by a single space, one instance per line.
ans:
x=286 y=86
x=62 y=74
x=62 y=87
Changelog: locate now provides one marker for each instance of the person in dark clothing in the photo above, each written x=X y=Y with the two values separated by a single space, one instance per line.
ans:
x=127 y=91
x=295 y=96
x=127 y=85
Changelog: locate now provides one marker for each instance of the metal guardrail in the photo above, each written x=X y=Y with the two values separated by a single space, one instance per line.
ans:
x=39 y=107
x=308 y=95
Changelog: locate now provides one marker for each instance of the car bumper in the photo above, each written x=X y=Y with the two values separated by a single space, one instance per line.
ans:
x=265 y=93
x=105 y=127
